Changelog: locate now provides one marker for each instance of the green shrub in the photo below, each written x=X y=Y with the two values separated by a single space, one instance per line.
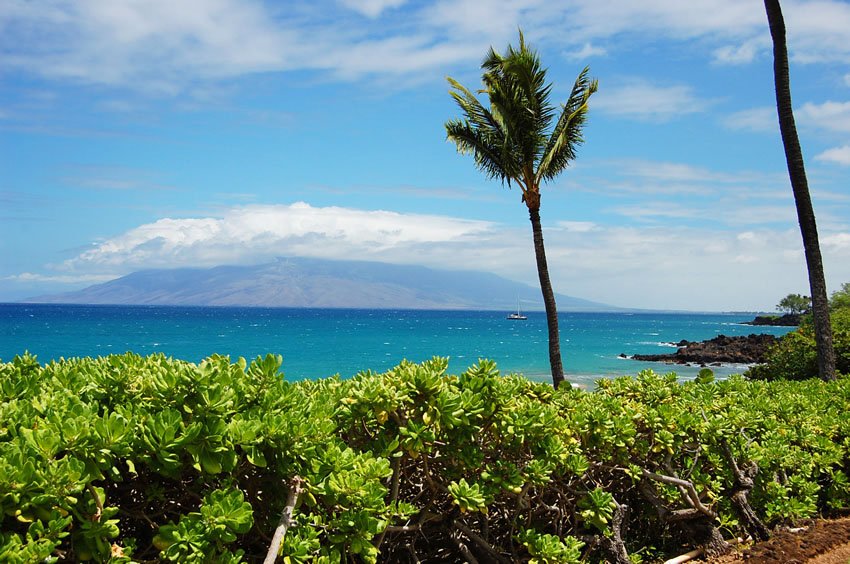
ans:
x=149 y=458
x=840 y=299
x=794 y=357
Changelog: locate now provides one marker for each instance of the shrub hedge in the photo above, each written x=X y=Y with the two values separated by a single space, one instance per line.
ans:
x=795 y=356
x=129 y=458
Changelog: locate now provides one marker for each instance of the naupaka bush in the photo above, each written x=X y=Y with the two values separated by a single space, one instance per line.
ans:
x=151 y=459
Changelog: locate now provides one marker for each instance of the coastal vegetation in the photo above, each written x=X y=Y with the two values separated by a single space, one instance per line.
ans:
x=128 y=458
x=151 y=459
x=795 y=304
x=800 y=188
x=841 y=298
x=795 y=356
x=520 y=139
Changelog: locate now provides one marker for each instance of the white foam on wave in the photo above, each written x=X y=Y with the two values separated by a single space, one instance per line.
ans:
x=665 y=344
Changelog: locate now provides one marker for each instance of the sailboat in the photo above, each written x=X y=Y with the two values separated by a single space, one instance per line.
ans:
x=518 y=316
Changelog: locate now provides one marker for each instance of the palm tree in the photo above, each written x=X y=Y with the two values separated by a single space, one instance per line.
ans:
x=800 y=187
x=514 y=141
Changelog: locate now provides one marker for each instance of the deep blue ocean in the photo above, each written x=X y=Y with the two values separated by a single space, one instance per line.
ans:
x=316 y=343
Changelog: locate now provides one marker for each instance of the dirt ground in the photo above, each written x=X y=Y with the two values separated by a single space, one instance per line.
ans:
x=820 y=542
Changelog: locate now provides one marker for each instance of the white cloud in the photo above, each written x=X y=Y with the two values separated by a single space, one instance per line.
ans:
x=260 y=232
x=646 y=193
x=670 y=18
x=670 y=265
x=642 y=100
x=165 y=47
x=395 y=55
x=495 y=20
x=669 y=171
x=828 y=116
x=745 y=213
x=847 y=79
x=831 y=196
x=707 y=188
x=818 y=31
x=160 y=41
x=742 y=53
x=585 y=52
x=747 y=236
x=29 y=277
x=837 y=155
x=578 y=226
x=655 y=210
x=836 y=242
x=754 y=119
x=372 y=8
x=832 y=116
x=735 y=54
x=688 y=268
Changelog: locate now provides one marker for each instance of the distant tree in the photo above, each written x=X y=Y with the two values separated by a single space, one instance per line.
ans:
x=800 y=187
x=841 y=298
x=514 y=141
x=795 y=304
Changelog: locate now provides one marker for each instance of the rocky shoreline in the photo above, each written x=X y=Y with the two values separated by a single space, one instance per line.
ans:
x=714 y=352
x=786 y=320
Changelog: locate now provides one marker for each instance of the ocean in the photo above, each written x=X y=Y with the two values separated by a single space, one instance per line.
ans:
x=316 y=343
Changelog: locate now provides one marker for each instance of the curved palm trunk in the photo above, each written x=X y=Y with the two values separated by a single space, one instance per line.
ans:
x=800 y=187
x=548 y=299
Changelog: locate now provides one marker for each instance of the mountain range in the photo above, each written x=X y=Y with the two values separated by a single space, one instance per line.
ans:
x=319 y=283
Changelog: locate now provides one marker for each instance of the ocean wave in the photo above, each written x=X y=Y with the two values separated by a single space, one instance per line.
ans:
x=665 y=344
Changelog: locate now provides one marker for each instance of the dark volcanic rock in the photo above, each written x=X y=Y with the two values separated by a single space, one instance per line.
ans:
x=721 y=349
x=787 y=320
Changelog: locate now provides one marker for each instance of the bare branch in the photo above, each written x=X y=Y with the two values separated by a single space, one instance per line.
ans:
x=403 y=528
x=465 y=552
x=295 y=490
x=97 y=501
x=692 y=495
x=393 y=494
x=480 y=542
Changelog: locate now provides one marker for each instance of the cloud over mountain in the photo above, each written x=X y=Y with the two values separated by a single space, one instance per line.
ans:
x=662 y=263
x=254 y=233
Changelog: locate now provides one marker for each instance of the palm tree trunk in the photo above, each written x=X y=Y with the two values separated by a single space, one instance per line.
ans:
x=800 y=187
x=548 y=299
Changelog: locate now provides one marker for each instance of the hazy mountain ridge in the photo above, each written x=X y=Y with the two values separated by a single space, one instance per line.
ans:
x=303 y=282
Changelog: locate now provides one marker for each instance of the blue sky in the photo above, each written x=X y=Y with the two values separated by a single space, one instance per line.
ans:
x=139 y=134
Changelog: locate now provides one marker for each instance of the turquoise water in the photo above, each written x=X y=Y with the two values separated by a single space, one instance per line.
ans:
x=320 y=342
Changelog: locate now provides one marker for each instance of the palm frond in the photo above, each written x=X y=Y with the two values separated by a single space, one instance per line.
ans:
x=492 y=126
x=567 y=134
x=510 y=137
x=471 y=107
x=483 y=146
x=516 y=85
x=492 y=61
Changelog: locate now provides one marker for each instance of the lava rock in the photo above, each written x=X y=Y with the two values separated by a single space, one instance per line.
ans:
x=787 y=320
x=719 y=350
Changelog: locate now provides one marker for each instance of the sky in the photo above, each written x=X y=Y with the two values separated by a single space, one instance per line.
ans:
x=159 y=134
